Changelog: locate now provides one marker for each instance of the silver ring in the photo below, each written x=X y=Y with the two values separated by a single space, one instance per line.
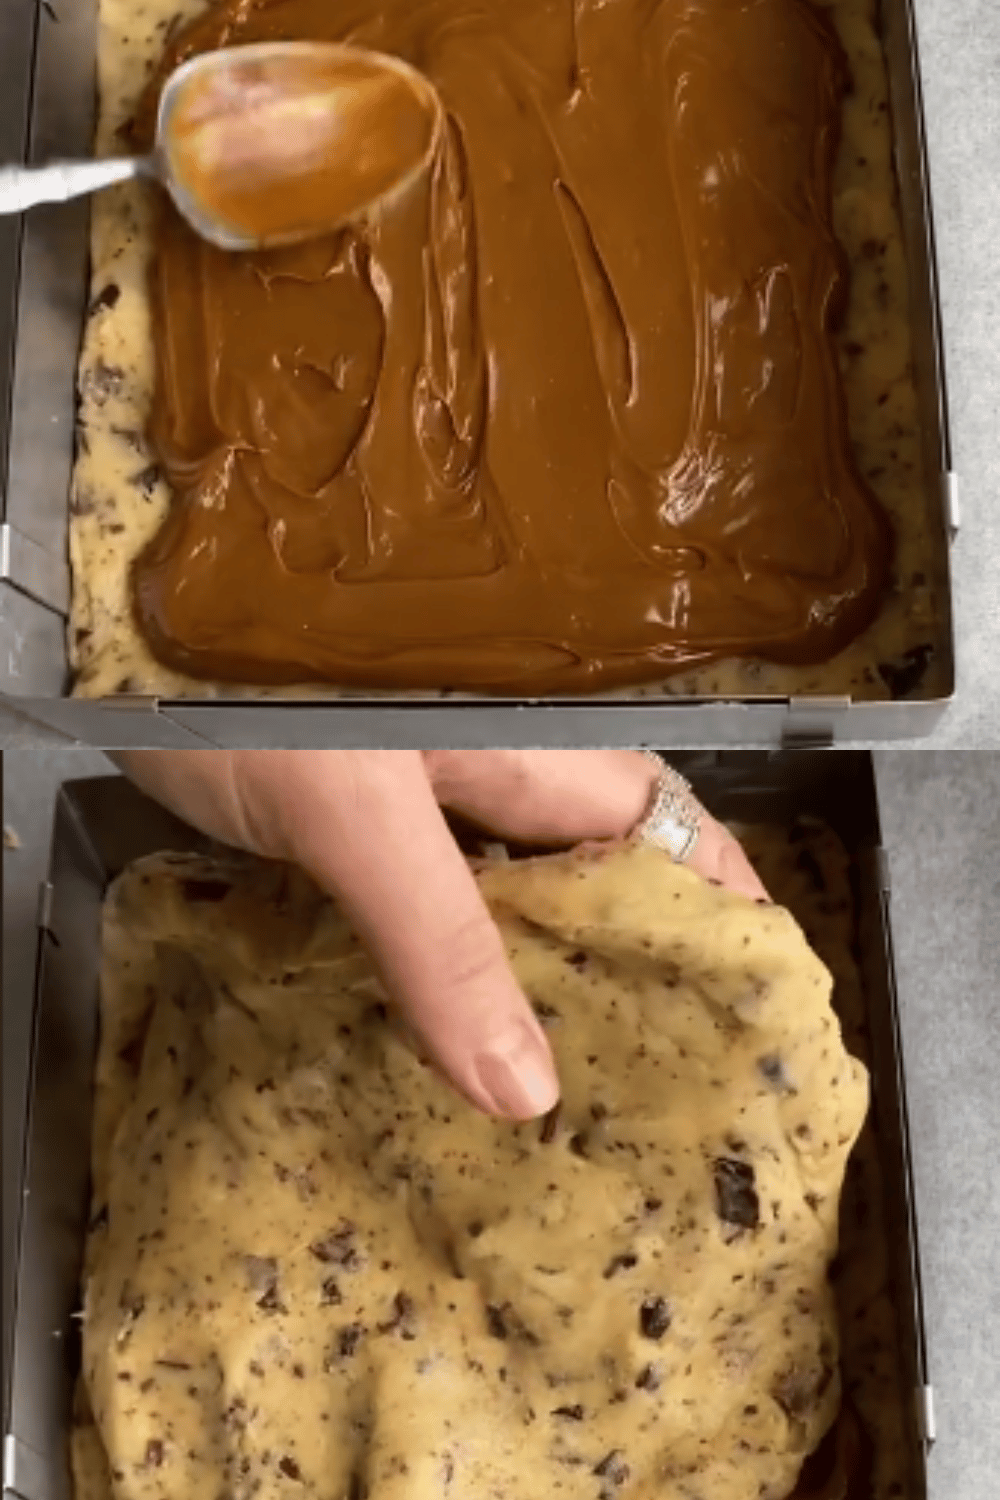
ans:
x=672 y=820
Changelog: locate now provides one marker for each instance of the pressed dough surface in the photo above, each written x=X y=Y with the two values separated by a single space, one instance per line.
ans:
x=119 y=498
x=807 y=870
x=312 y=1266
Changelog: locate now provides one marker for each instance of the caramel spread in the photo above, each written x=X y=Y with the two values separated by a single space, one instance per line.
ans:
x=568 y=417
x=294 y=143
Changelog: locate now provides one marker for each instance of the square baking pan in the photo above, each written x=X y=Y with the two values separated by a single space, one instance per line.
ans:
x=47 y=110
x=101 y=825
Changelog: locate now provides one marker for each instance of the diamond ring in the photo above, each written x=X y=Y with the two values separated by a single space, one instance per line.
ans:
x=672 y=820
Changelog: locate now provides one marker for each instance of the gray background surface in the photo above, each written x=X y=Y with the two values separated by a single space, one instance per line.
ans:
x=960 y=59
x=960 y=55
x=941 y=821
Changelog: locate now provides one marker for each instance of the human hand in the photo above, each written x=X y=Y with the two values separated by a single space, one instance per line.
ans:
x=368 y=827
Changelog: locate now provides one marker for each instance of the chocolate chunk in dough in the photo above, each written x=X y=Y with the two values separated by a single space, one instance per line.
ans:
x=654 y=1318
x=736 y=1198
x=620 y=1263
x=106 y=298
x=613 y=1471
x=154 y=1453
x=103 y=381
x=905 y=674
x=403 y=1319
x=337 y=1248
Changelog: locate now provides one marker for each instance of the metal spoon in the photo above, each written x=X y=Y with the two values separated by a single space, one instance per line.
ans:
x=267 y=144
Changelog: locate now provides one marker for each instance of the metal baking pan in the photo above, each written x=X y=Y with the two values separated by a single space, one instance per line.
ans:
x=47 y=109
x=101 y=825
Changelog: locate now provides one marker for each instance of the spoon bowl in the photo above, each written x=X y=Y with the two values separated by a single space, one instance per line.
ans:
x=279 y=141
x=269 y=144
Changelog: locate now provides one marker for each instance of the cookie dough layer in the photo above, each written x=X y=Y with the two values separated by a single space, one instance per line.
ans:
x=807 y=870
x=313 y=1267
x=121 y=500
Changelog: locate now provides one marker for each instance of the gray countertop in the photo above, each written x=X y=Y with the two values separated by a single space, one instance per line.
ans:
x=960 y=61
x=941 y=821
x=960 y=56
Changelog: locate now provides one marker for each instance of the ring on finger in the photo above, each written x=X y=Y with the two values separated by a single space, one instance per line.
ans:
x=672 y=820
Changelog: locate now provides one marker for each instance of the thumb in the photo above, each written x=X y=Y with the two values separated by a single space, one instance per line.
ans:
x=382 y=845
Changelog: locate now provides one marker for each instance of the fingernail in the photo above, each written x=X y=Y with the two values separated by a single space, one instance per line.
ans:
x=518 y=1075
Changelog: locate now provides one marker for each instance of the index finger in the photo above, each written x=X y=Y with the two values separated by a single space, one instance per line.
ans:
x=381 y=843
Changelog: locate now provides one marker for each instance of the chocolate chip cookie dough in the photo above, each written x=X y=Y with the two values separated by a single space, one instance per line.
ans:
x=808 y=871
x=312 y=1267
x=579 y=643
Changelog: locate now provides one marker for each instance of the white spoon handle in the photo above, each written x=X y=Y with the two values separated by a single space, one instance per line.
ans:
x=23 y=187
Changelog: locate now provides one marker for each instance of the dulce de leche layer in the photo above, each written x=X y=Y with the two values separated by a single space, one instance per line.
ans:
x=568 y=416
